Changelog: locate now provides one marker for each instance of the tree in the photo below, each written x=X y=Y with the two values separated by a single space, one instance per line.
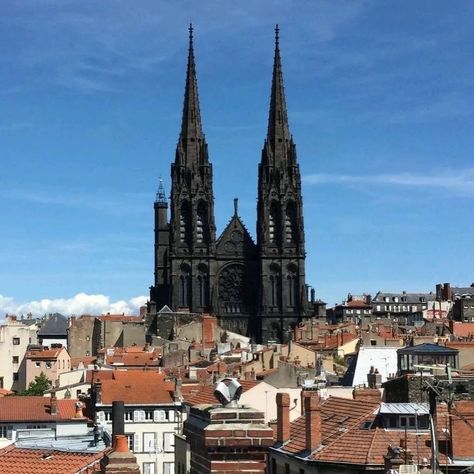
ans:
x=38 y=386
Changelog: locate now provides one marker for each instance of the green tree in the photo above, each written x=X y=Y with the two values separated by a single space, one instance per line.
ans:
x=40 y=384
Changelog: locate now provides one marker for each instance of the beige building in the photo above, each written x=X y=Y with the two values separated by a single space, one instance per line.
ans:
x=51 y=362
x=14 y=339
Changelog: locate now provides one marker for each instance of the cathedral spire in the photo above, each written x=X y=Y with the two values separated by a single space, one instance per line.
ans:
x=278 y=129
x=191 y=128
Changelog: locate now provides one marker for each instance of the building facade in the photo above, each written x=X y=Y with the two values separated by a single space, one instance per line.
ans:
x=14 y=340
x=255 y=288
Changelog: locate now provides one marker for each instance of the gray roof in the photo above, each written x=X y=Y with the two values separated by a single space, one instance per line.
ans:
x=458 y=291
x=410 y=297
x=55 y=325
x=428 y=348
x=404 y=408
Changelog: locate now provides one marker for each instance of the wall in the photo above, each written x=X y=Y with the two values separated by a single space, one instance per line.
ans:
x=26 y=335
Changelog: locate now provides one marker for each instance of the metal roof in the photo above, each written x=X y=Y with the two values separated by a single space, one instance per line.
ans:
x=428 y=348
x=404 y=408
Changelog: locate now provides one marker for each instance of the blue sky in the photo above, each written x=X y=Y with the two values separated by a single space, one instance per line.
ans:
x=380 y=98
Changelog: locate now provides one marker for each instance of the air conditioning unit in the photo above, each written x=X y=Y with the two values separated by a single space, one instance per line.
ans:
x=408 y=469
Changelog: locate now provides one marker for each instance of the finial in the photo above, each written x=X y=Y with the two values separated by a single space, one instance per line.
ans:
x=160 y=194
x=277 y=36
x=236 y=206
x=190 y=29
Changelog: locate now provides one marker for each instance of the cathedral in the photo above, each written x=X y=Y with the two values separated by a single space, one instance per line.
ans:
x=254 y=288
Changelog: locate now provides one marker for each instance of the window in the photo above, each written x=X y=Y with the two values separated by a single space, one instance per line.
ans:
x=168 y=468
x=130 y=437
x=149 y=468
x=168 y=439
x=6 y=431
x=16 y=341
x=15 y=359
x=149 y=443
x=149 y=415
x=49 y=365
x=159 y=415
x=37 y=364
x=128 y=416
x=138 y=415
x=1 y=382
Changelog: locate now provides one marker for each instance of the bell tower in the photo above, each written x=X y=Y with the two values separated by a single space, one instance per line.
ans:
x=280 y=229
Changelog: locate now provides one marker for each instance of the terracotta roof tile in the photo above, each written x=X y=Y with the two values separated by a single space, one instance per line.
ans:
x=137 y=386
x=336 y=413
x=26 y=461
x=44 y=354
x=16 y=408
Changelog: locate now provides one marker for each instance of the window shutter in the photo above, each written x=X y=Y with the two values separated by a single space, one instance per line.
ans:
x=136 y=443
x=171 y=415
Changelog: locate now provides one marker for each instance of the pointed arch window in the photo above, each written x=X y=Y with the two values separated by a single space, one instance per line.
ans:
x=203 y=286
x=185 y=287
x=185 y=223
x=290 y=223
x=292 y=287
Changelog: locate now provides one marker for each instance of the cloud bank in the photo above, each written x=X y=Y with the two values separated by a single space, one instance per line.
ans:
x=81 y=303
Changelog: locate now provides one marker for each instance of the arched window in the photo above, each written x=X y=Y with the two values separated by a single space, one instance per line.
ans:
x=185 y=287
x=290 y=223
x=292 y=282
x=185 y=223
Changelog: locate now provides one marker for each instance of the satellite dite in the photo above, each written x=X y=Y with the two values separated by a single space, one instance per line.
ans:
x=228 y=392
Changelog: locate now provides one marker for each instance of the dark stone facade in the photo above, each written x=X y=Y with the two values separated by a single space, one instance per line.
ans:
x=257 y=289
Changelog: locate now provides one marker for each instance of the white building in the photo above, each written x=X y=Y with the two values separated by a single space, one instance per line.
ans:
x=14 y=339
x=152 y=417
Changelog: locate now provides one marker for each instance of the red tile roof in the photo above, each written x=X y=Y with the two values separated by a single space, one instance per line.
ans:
x=200 y=394
x=16 y=408
x=86 y=360
x=137 y=386
x=336 y=412
x=463 y=329
x=26 y=461
x=346 y=441
x=44 y=354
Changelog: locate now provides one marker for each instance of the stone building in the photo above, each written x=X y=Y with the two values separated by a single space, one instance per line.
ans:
x=255 y=288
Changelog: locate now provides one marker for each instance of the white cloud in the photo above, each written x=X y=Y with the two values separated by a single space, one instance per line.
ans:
x=460 y=182
x=81 y=303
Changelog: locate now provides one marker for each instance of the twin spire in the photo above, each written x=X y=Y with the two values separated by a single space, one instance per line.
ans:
x=191 y=127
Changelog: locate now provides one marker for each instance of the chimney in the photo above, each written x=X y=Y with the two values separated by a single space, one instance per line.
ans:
x=312 y=422
x=118 y=423
x=120 y=460
x=283 y=417
x=53 y=403
x=304 y=394
x=370 y=395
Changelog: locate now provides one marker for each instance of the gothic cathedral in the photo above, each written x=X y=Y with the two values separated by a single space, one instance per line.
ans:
x=256 y=289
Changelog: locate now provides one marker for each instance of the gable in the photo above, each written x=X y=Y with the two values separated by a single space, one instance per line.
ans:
x=235 y=240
